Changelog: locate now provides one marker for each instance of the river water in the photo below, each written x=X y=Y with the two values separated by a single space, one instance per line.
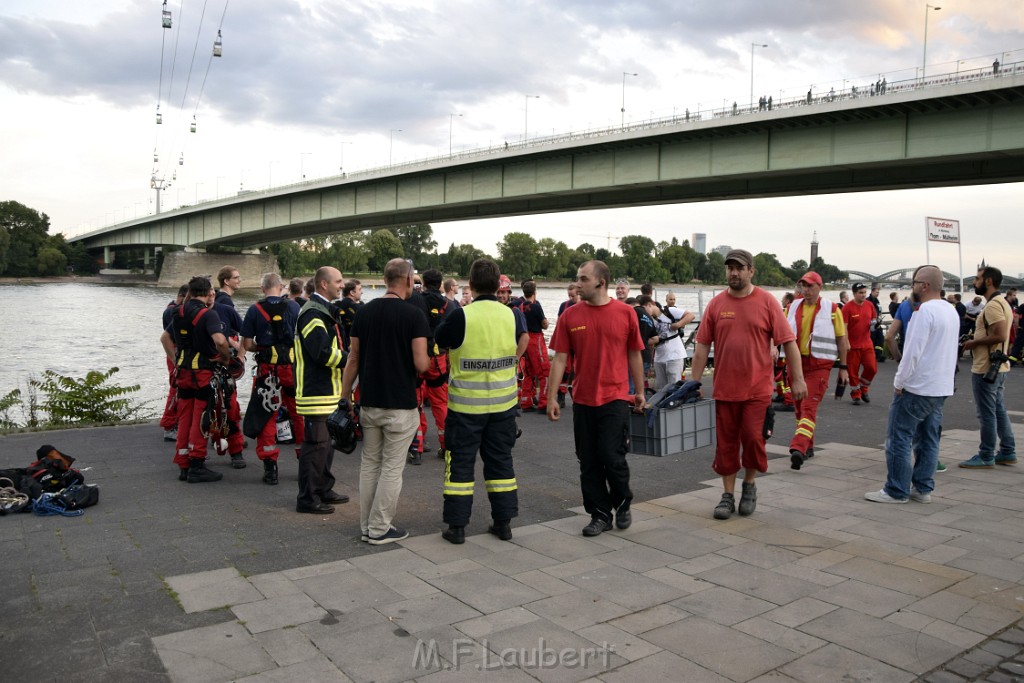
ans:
x=72 y=328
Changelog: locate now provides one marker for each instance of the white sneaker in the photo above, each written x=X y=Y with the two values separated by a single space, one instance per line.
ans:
x=919 y=497
x=881 y=496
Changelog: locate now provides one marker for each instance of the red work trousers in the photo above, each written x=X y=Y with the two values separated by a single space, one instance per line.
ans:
x=193 y=393
x=862 y=366
x=816 y=374
x=536 y=368
x=170 y=417
x=437 y=396
x=266 y=442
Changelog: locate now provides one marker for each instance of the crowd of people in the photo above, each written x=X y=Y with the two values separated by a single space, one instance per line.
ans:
x=477 y=359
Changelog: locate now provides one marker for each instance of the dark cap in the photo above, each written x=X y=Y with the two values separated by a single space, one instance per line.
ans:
x=857 y=286
x=741 y=256
x=811 y=278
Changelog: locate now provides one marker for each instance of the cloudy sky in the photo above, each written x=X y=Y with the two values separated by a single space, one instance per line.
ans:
x=307 y=86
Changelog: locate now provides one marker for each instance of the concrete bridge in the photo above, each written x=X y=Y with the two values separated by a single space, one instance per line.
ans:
x=904 y=277
x=947 y=131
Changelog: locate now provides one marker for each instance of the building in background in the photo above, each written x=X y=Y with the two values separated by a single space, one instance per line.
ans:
x=699 y=242
x=814 y=247
x=723 y=249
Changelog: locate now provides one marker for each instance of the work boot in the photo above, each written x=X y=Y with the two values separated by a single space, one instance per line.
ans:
x=270 y=472
x=415 y=458
x=198 y=474
x=238 y=461
x=725 y=507
x=171 y=434
x=455 y=534
x=501 y=529
x=796 y=459
x=561 y=399
x=183 y=474
x=748 y=499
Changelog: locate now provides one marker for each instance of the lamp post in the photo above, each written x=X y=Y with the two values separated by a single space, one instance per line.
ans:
x=197 y=192
x=451 y=120
x=341 y=159
x=302 y=164
x=622 y=123
x=752 y=46
x=924 y=55
x=270 y=174
x=391 y=143
x=526 y=115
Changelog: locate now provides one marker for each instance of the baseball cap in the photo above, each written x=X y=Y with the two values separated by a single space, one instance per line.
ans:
x=857 y=286
x=741 y=256
x=811 y=278
x=504 y=283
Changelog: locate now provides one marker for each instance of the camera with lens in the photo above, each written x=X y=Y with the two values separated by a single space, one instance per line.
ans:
x=342 y=427
x=997 y=358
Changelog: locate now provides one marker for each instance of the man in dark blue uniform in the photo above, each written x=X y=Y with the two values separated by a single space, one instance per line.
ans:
x=194 y=341
x=224 y=305
x=537 y=365
x=169 y=420
x=269 y=331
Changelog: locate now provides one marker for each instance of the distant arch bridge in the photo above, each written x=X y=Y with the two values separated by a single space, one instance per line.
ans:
x=905 y=277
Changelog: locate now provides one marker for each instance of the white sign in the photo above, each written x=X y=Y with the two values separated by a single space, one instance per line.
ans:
x=943 y=230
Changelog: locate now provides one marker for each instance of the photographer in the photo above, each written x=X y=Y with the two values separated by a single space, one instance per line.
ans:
x=988 y=373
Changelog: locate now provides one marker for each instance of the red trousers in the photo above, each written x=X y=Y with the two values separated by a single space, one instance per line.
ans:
x=568 y=376
x=266 y=442
x=536 y=368
x=862 y=366
x=193 y=387
x=739 y=426
x=170 y=417
x=816 y=376
x=437 y=396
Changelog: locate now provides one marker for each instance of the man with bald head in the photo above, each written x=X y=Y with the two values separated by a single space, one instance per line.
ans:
x=922 y=383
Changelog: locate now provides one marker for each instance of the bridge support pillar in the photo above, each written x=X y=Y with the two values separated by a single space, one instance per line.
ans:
x=179 y=266
x=146 y=266
x=106 y=257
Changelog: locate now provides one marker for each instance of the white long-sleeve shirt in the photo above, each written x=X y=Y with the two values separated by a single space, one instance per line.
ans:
x=929 y=353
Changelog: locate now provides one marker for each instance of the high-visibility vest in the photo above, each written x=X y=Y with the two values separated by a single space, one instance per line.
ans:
x=483 y=369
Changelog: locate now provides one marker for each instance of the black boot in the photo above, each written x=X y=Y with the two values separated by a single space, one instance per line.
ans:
x=198 y=474
x=270 y=472
x=501 y=529
x=454 y=534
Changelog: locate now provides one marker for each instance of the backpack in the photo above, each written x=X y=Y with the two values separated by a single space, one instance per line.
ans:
x=78 y=496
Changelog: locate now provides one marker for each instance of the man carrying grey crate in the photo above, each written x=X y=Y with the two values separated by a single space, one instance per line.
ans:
x=744 y=323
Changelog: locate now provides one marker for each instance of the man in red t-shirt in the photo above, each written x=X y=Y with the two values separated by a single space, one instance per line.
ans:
x=744 y=323
x=600 y=333
x=860 y=316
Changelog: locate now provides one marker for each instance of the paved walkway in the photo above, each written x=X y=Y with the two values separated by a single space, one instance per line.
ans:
x=818 y=585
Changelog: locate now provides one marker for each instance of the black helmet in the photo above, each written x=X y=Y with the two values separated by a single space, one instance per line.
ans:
x=342 y=428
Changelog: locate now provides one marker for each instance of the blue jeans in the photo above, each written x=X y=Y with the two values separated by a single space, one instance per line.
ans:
x=632 y=389
x=915 y=423
x=988 y=402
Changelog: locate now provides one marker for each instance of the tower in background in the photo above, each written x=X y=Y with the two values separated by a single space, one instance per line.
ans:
x=699 y=242
x=814 y=248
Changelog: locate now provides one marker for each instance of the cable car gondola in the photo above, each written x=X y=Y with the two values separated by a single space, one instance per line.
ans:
x=156 y=159
x=193 y=126
x=159 y=116
x=218 y=46
x=166 y=16
x=181 y=160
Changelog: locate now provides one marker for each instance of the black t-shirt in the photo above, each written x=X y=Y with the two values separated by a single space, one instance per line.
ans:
x=385 y=329
x=346 y=314
x=647 y=330
x=534 y=315
x=209 y=324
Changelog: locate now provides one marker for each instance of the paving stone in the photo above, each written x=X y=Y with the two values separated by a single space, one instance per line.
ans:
x=317 y=668
x=544 y=583
x=212 y=653
x=961 y=637
x=775 y=587
x=1000 y=677
x=347 y=590
x=890 y=576
x=780 y=635
x=128 y=648
x=964 y=667
x=701 y=563
x=1001 y=649
x=1013 y=635
x=719 y=648
x=627 y=588
x=629 y=646
x=486 y=590
x=682 y=582
x=723 y=605
x=799 y=611
x=483 y=626
x=275 y=613
x=684 y=544
x=645 y=620
x=274 y=585
x=516 y=560
x=1012 y=668
x=640 y=558
x=212 y=589
x=419 y=614
x=378 y=653
x=983 y=658
x=662 y=666
x=287 y=646
x=577 y=609
x=824 y=663
x=321 y=569
x=864 y=597
x=560 y=546
x=943 y=677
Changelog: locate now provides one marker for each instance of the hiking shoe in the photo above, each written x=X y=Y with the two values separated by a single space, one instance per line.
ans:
x=183 y=474
x=390 y=536
x=881 y=496
x=364 y=536
x=623 y=518
x=270 y=472
x=597 y=526
x=919 y=497
x=170 y=434
x=796 y=459
x=237 y=461
x=443 y=453
x=864 y=397
x=725 y=507
x=454 y=534
x=748 y=499
x=501 y=529
x=1006 y=459
x=979 y=463
x=940 y=466
x=856 y=401
x=415 y=458
x=198 y=474
x=810 y=453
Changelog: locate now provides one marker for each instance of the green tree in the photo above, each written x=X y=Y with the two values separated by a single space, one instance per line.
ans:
x=459 y=258
x=80 y=260
x=517 y=254
x=677 y=261
x=26 y=231
x=293 y=259
x=712 y=269
x=553 y=258
x=382 y=246
x=347 y=252
x=770 y=273
x=417 y=241
x=638 y=253
x=50 y=261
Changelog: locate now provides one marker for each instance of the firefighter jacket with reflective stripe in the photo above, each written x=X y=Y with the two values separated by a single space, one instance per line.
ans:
x=483 y=368
x=319 y=359
x=189 y=354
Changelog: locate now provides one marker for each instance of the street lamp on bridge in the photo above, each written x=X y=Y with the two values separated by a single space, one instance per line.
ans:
x=752 y=46
x=924 y=56
x=622 y=123
x=526 y=115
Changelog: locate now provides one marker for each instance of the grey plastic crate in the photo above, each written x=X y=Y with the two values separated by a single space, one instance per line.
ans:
x=675 y=430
